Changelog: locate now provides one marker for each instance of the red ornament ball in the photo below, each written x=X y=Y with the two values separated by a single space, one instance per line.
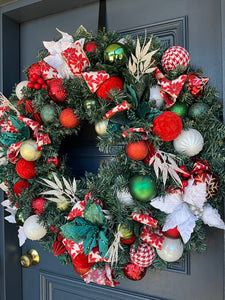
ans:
x=90 y=46
x=144 y=256
x=134 y=272
x=168 y=126
x=34 y=71
x=56 y=90
x=137 y=150
x=108 y=85
x=174 y=57
x=37 y=205
x=68 y=118
x=20 y=186
x=128 y=241
x=81 y=261
x=172 y=233
x=26 y=169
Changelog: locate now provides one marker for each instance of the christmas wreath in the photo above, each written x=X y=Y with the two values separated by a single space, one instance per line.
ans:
x=161 y=123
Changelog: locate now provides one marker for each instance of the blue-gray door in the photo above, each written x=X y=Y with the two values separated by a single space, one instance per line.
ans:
x=196 y=25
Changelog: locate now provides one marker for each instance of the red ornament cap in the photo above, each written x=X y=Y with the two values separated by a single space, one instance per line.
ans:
x=20 y=186
x=108 y=85
x=26 y=169
x=134 y=272
x=168 y=126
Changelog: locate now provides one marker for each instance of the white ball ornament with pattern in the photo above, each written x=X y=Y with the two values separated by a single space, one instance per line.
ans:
x=19 y=88
x=101 y=126
x=125 y=197
x=172 y=249
x=144 y=256
x=156 y=96
x=190 y=142
x=174 y=57
x=33 y=229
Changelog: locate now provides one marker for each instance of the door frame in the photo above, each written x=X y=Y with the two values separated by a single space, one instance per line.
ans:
x=10 y=18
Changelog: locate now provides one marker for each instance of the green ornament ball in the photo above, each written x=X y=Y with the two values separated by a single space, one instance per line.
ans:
x=142 y=188
x=89 y=105
x=197 y=110
x=19 y=217
x=180 y=109
x=114 y=52
x=48 y=113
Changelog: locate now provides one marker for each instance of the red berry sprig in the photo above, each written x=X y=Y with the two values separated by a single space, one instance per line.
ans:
x=36 y=82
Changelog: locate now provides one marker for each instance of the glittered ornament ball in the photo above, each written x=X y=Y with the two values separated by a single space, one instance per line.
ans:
x=114 y=52
x=198 y=110
x=48 y=113
x=144 y=256
x=134 y=272
x=19 y=88
x=25 y=169
x=20 y=186
x=190 y=142
x=34 y=69
x=172 y=249
x=142 y=188
x=108 y=85
x=56 y=90
x=28 y=150
x=33 y=229
x=37 y=205
x=101 y=126
x=125 y=231
x=137 y=150
x=68 y=118
x=174 y=57
x=90 y=46
x=90 y=105
x=180 y=109
x=167 y=126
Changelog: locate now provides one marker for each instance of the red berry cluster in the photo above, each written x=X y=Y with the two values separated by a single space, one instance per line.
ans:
x=36 y=82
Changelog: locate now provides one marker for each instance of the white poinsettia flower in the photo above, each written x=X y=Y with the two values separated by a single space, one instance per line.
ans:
x=184 y=210
x=55 y=58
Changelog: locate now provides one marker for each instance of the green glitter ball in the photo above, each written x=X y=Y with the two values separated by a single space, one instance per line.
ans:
x=198 y=110
x=115 y=52
x=48 y=113
x=142 y=188
x=180 y=109
x=19 y=217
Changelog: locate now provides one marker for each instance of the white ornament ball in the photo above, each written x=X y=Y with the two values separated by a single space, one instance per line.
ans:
x=101 y=126
x=28 y=150
x=174 y=57
x=19 y=88
x=33 y=229
x=172 y=249
x=190 y=142
x=156 y=96
x=125 y=197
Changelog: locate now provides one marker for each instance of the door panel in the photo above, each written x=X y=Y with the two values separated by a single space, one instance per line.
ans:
x=182 y=23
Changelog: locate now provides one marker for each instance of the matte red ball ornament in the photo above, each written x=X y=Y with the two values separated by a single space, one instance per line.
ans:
x=68 y=118
x=37 y=205
x=134 y=272
x=34 y=71
x=90 y=46
x=81 y=261
x=20 y=186
x=137 y=150
x=172 y=233
x=144 y=256
x=168 y=126
x=108 y=85
x=81 y=271
x=56 y=90
x=174 y=57
x=25 y=169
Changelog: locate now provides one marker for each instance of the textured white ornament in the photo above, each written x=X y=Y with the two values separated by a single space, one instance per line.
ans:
x=172 y=249
x=189 y=142
x=32 y=229
x=125 y=197
x=156 y=96
x=101 y=126
x=19 y=88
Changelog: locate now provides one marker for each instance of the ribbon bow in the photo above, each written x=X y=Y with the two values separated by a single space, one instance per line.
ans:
x=170 y=89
